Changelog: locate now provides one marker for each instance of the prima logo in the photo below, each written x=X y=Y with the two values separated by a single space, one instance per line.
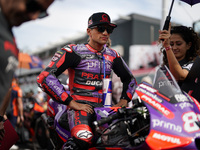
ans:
x=185 y=105
x=55 y=87
x=97 y=64
x=164 y=83
x=166 y=125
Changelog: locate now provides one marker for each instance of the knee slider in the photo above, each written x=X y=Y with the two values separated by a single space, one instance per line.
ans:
x=82 y=132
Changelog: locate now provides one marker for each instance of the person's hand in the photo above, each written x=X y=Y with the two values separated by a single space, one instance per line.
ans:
x=164 y=36
x=2 y=130
x=121 y=103
x=18 y=120
x=78 y=106
x=21 y=118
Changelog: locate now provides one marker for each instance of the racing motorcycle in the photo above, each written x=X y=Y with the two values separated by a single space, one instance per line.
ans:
x=162 y=117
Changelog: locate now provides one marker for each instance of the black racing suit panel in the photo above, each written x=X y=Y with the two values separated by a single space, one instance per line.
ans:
x=121 y=70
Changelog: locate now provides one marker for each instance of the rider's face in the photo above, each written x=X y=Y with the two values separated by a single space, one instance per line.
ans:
x=97 y=38
x=179 y=46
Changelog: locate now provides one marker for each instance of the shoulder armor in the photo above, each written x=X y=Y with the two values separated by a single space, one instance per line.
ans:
x=68 y=48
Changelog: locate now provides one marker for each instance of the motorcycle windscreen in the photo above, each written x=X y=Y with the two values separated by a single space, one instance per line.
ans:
x=165 y=83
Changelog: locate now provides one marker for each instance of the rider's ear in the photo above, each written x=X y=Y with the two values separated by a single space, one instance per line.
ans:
x=89 y=31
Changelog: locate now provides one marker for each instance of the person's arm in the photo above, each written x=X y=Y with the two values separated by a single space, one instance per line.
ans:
x=20 y=108
x=178 y=72
x=48 y=80
x=174 y=66
x=5 y=103
x=62 y=60
x=128 y=80
x=78 y=106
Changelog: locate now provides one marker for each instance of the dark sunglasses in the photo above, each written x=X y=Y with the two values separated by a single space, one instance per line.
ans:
x=34 y=6
x=103 y=28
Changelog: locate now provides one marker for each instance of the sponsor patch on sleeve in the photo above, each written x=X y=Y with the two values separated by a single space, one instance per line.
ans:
x=56 y=56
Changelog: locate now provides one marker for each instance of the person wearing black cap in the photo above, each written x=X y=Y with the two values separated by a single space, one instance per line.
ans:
x=100 y=19
x=86 y=71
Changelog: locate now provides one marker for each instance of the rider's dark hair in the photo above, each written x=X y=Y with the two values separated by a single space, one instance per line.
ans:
x=188 y=35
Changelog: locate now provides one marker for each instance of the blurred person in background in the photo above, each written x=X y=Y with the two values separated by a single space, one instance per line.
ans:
x=14 y=13
x=15 y=113
x=15 y=108
x=182 y=46
x=39 y=96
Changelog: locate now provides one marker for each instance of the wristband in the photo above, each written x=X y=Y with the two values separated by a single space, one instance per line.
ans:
x=68 y=100
x=1 y=118
x=168 y=48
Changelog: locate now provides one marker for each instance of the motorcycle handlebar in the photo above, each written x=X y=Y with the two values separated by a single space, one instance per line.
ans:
x=122 y=112
x=106 y=120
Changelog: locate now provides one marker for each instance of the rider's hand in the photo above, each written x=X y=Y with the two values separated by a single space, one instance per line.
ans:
x=121 y=103
x=78 y=106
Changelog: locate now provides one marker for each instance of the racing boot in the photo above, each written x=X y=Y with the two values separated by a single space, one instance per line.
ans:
x=75 y=144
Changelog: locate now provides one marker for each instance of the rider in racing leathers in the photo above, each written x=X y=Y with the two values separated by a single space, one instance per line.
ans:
x=85 y=66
